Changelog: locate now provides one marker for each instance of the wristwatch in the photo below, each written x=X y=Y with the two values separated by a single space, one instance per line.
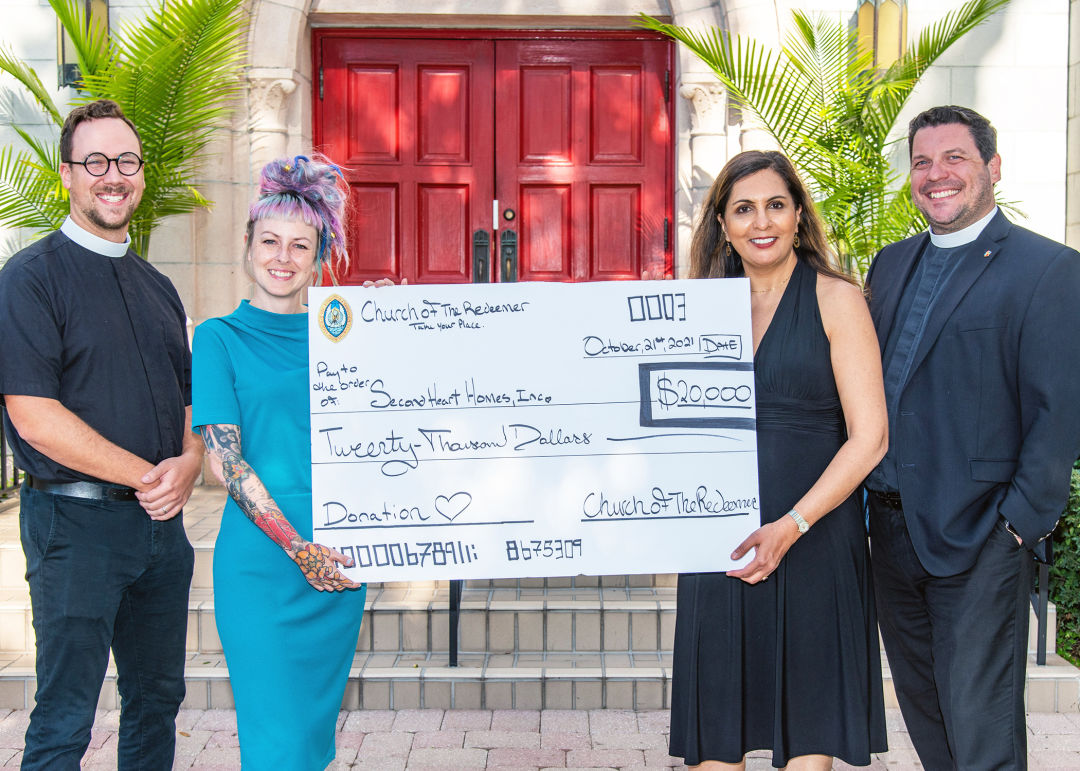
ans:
x=800 y=523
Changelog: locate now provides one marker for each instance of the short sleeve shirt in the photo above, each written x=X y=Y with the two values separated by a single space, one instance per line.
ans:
x=106 y=337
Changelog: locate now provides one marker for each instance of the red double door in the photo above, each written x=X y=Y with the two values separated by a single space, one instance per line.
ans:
x=500 y=159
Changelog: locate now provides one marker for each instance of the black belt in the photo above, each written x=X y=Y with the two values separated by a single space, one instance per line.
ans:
x=890 y=500
x=93 y=491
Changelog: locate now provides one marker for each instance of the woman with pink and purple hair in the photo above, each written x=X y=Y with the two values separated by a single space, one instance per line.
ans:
x=287 y=618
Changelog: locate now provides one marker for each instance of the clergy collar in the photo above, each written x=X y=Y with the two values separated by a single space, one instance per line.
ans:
x=88 y=240
x=964 y=236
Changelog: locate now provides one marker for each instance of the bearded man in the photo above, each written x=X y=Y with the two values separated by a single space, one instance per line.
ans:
x=978 y=321
x=95 y=375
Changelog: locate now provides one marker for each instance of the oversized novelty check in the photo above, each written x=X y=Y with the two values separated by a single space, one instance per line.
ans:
x=533 y=429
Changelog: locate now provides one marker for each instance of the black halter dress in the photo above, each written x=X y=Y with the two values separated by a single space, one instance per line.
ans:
x=789 y=665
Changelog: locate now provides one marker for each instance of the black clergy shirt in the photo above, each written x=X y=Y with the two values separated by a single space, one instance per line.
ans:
x=105 y=336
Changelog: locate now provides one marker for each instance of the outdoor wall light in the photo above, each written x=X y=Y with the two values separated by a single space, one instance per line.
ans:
x=68 y=74
x=881 y=26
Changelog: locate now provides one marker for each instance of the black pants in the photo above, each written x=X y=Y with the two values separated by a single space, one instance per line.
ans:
x=957 y=646
x=104 y=575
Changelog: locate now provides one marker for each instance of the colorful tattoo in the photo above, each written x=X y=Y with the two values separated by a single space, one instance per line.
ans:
x=223 y=441
x=245 y=487
x=314 y=561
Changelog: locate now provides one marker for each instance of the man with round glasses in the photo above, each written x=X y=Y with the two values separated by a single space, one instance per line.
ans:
x=95 y=374
x=98 y=164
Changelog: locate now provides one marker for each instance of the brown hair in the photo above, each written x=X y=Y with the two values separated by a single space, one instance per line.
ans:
x=708 y=256
x=102 y=108
x=982 y=133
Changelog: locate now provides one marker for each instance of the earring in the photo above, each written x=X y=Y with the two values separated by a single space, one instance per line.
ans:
x=795 y=243
x=727 y=248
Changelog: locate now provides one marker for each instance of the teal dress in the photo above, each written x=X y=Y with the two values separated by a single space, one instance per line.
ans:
x=289 y=647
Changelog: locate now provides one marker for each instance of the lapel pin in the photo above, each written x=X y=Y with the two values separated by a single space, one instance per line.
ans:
x=987 y=253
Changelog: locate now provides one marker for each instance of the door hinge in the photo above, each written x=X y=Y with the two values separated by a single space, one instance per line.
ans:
x=321 y=91
x=667 y=234
x=667 y=85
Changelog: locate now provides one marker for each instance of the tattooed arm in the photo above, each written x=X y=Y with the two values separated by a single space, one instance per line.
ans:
x=317 y=562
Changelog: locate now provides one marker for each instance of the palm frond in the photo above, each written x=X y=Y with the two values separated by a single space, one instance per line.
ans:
x=176 y=75
x=46 y=153
x=185 y=76
x=91 y=42
x=820 y=50
x=28 y=79
x=933 y=41
x=30 y=194
x=758 y=79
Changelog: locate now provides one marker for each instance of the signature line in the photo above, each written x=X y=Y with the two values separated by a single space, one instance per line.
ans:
x=679 y=516
x=428 y=524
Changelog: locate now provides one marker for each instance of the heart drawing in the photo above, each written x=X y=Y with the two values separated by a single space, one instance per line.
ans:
x=451 y=507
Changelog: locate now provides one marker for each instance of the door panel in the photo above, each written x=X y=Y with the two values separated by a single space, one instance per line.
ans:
x=584 y=152
x=545 y=127
x=549 y=248
x=612 y=244
x=372 y=231
x=414 y=137
x=444 y=230
x=444 y=124
x=616 y=115
x=373 y=123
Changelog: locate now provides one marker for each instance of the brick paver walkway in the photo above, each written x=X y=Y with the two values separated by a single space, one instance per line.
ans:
x=599 y=740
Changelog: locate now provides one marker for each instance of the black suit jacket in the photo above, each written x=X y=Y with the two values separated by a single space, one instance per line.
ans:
x=988 y=422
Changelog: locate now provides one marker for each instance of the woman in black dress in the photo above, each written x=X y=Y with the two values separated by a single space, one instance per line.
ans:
x=782 y=654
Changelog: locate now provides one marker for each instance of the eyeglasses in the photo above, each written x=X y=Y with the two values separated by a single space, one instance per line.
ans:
x=97 y=164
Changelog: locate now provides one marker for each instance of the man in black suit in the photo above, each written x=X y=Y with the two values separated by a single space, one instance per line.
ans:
x=979 y=326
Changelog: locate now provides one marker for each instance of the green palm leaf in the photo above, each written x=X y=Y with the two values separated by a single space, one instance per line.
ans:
x=886 y=104
x=91 y=43
x=31 y=195
x=757 y=79
x=29 y=80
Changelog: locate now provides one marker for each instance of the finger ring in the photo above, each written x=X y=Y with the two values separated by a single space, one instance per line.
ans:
x=164 y=509
x=766 y=578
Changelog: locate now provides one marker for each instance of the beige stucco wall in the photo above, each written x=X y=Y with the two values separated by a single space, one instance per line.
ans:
x=1014 y=70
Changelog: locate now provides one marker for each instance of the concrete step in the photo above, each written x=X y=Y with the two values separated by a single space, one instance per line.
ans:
x=415 y=620
x=514 y=681
x=389 y=681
